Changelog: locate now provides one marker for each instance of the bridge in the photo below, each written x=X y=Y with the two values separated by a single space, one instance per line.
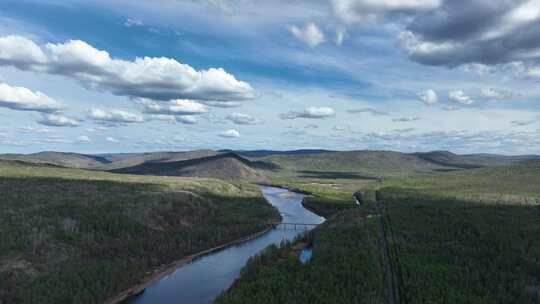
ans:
x=295 y=226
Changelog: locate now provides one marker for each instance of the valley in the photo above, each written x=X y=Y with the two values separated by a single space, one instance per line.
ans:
x=448 y=218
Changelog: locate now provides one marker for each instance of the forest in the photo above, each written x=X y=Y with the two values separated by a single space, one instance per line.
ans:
x=458 y=237
x=74 y=236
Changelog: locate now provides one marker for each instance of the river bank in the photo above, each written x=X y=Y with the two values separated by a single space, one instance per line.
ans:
x=206 y=277
x=166 y=270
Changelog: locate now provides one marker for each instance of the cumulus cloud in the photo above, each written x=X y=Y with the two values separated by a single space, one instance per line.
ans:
x=23 y=99
x=186 y=119
x=83 y=139
x=310 y=112
x=112 y=139
x=475 y=32
x=494 y=94
x=114 y=117
x=232 y=133
x=309 y=34
x=173 y=107
x=429 y=97
x=133 y=22
x=148 y=77
x=370 y=10
x=34 y=130
x=221 y=104
x=21 y=53
x=243 y=119
x=478 y=69
x=522 y=69
x=371 y=111
x=460 y=97
x=405 y=119
x=58 y=120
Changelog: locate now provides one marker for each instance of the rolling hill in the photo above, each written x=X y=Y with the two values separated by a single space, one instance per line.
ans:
x=70 y=160
x=306 y=164
x=469 y=161
x=229 y=166
x=79 y=236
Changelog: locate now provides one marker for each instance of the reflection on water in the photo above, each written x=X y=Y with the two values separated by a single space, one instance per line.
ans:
x=203 y=279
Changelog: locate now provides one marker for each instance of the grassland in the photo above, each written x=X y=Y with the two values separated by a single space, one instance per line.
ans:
x=75 y=236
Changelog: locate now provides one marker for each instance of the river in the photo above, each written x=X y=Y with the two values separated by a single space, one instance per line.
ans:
x=202 y=280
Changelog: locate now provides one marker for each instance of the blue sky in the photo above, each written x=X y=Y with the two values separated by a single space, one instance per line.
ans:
x=122 y=76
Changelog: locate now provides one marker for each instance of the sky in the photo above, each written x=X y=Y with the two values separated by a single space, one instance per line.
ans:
x=131 y=76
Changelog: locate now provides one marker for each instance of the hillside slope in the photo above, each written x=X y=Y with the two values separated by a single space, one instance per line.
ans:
x=353 y=165
x=82 y=236
x=227 y=166
x=70 y=160
x=469 y=161
x=124 y=160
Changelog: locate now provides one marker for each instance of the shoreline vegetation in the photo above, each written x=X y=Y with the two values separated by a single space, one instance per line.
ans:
x=83 y=236
x=166 y=270
x=459 y=237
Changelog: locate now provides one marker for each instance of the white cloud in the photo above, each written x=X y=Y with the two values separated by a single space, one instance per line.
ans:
x=20 y=52
x=174 y=107
x=58 y=120
x=371 y=111
x=114 y=116
x=494 y=94
x=340 y=36
x=429 y=97
x=186 y=119
x=310 y=112
x=221 y=104
x=243 y=119
x=232 y=133
x=157 y=78
x=430 y=52
x=309 y=34
x=477 y=68
x=406 y=119
x=112 y=139
x=369 y=10
x=460 y=97
x=83 y=139
x=133 y=22
x=23 y=99
x=34 y=130
x=524 y=70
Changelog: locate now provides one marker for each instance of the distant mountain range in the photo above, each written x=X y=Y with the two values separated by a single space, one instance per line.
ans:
x=229 y=164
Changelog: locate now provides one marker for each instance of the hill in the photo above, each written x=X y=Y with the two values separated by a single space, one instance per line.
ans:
x=70 y=160
x=469 y=161
x=353 y=165
x=64 y=232
x=264 y=153
x=123 y=160
x=228 y=166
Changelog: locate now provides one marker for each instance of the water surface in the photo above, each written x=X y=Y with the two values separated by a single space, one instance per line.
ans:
x=205 y=278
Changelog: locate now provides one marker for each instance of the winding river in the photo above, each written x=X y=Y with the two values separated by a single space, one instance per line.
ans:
x=205 y=278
